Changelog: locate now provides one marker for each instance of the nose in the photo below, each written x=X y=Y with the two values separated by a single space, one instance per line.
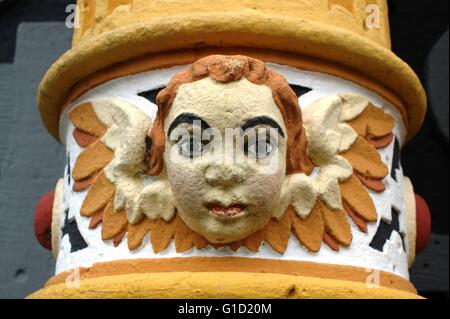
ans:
x=224 y=175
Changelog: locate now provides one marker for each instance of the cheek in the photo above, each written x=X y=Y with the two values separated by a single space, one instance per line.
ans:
x=263 y=186
x=185 y=179
x=264 y=189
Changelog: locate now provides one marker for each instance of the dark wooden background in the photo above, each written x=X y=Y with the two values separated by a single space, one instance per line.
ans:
x=32 y=36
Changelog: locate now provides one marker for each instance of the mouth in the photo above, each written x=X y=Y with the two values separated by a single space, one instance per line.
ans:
x=231 y=211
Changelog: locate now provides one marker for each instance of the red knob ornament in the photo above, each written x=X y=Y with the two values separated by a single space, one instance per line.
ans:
x=43 y=220
x=423 y=224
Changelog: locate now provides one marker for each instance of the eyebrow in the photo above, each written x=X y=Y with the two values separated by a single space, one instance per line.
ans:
x=188 y=118
x=262 y=120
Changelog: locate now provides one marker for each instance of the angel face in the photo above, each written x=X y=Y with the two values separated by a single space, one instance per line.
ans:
x=222 y=187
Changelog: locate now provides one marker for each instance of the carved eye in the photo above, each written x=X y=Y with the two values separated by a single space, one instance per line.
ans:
x=260 y=148
x=191 y=146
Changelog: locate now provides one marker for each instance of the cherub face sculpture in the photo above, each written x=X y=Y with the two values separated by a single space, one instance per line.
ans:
x=216 y=194
x=233 y=162
x=225 y=145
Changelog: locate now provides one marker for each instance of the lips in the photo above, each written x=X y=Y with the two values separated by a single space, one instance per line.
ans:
x=230 y=211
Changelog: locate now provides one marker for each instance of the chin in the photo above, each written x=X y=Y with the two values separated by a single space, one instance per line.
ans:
x=225 y=232
x=219 y=228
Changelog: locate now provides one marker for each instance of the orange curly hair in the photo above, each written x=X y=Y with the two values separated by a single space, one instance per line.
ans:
x=226 y=69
